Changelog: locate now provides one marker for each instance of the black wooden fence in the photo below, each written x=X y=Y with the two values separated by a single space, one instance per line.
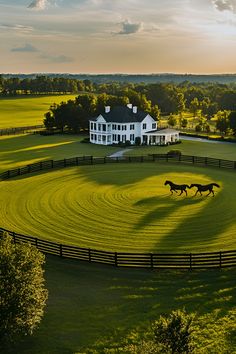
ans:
x=20 y=130
x=90 y=160
x=190 y=261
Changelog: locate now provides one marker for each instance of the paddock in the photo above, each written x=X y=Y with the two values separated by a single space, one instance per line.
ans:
x=122 y=207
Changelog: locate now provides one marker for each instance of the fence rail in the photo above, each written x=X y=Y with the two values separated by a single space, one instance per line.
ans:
x=190 y=261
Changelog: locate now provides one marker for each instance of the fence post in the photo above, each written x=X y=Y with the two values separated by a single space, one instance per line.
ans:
x=77 y=161
x=61 y=250
x=64 y=162
x=234 y=164
x=116 y=260
x=219 y=163
x=105 y=159
x=29 y=168
x=89 y=255
x=18 y=172
x=220 y=254
x=40 y=165
x=91 y=159
x=205 y=160
x=8 y=174
x=151 y=260
x=193 y=160
x=190 y=261
x=14 y=237
x=51 y=163
x=36 y=242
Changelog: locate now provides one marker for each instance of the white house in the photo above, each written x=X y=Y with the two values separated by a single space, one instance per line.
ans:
x=122 y=124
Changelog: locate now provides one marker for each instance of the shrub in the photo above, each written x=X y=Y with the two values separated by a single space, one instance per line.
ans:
x=175 y=332
x=174 y=153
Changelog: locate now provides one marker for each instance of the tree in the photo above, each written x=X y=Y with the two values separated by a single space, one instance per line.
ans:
x=22 y=292
x=175 y=332
x=222 y=123
x=232 y=121
x=183 y=122
x=194 y=106
x=172 y=121
x=49 y=121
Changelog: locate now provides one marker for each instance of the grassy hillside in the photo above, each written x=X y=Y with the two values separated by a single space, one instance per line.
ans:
x=27 y=111
x=93 y=307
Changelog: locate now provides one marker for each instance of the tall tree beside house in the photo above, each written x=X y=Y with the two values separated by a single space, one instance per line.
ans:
x=22 y=291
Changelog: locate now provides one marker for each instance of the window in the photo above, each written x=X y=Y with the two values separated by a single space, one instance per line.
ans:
x=91 y=136
x=123 y=138
x=91 y=126
x=95 y=137
x=153 y=125
x=99 y=137
x=123 y=127
x=114 y=126
x=144 y=126
x=118 y=127
x=99 y=126
x=109 y=139
x=131 y=137
x=104 y=127
x=95 y=126
x=131 y=127
x=104 y=138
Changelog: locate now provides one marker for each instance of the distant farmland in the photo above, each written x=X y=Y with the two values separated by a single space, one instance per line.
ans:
x=27 y=111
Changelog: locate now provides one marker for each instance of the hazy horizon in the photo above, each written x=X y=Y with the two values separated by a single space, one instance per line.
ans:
x=183 y=37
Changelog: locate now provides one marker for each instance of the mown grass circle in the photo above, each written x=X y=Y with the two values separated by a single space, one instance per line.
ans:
x=123 y=207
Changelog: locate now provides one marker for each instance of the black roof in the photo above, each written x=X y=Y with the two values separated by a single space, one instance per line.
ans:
x=121 y=114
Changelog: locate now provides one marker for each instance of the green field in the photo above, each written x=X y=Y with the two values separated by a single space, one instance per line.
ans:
x=92 y=307
x=27 y=111
x=120 y=207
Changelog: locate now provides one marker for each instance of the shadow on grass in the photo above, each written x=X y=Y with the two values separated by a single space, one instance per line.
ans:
x=25 y=149
x=93 y=306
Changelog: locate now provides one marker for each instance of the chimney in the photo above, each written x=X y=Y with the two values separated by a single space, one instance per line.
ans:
x=129 y=105
x=135 y=109
x=107 y=109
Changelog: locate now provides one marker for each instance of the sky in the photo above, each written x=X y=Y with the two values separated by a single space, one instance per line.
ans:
x=118 y=36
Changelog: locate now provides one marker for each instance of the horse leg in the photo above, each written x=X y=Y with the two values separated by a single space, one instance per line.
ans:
x=196 y=193
x=171 y=190
x=185 y=191
x=180 y=192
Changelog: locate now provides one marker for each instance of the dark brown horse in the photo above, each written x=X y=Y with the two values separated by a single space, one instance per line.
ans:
x=205 y=187
x=177 y=187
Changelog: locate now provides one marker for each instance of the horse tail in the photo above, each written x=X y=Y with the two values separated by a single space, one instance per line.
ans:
x=216 y=185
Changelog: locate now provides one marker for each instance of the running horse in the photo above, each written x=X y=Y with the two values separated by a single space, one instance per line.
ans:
x=177 y=187
x=203 y=188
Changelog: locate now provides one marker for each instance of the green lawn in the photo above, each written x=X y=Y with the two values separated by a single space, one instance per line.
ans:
x=218 y=150
x=27 y=111
x=123 y=207
x=90 y=306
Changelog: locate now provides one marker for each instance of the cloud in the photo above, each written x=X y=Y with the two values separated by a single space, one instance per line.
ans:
x=18 y=28
x=130 y=28
x=225 y=5
x=26 y=48
x=57 y=59
x=38 y=4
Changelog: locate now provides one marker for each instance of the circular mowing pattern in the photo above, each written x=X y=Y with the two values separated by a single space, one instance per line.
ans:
x=123 y=207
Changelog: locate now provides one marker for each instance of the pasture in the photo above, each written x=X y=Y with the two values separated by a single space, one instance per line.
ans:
x=123 y=208
x=93 y=307
x=27 y=111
